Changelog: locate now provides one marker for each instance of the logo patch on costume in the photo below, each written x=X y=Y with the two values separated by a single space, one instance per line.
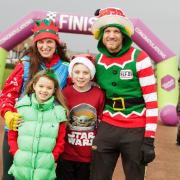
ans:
x=126 y=74
x=81 y=125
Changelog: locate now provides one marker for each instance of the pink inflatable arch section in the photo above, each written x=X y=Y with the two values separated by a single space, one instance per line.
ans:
x=21 y=30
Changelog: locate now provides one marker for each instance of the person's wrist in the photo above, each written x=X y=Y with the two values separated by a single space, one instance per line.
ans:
x=8 y=119
x=149 y=140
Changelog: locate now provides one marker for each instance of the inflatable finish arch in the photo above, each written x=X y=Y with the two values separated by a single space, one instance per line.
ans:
x=167 y=65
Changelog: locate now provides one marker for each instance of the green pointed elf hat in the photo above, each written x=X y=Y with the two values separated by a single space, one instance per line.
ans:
x=46 y=72
x=45 y=28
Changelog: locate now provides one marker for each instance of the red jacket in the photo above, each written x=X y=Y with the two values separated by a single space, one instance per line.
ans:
x=12 y=87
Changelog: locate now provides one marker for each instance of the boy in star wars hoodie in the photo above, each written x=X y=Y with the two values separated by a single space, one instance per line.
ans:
x=129 y=118
x=86 y=103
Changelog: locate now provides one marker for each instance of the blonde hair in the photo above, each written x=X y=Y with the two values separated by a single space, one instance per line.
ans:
x=51 y=76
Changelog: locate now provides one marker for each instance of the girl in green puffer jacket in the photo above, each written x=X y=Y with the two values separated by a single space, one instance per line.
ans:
x=40 y=139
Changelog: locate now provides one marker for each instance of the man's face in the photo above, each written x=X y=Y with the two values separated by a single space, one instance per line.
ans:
x=112 y=39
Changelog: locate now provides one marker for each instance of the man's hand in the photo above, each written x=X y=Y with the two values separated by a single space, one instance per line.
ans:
x=13 y=120
x=147 y=151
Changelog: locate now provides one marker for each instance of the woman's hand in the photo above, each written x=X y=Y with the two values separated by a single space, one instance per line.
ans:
x=13 y=120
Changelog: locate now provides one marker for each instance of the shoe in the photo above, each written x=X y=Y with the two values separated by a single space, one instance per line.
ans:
x=178 y=144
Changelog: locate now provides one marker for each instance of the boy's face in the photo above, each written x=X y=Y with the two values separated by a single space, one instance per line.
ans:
x=44 y=89
x=81 y=77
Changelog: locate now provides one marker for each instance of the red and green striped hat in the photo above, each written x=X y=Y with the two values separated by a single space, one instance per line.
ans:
x=111 y=16
x=45 y=28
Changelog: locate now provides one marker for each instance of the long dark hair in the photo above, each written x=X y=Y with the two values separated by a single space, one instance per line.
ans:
x=36 y=59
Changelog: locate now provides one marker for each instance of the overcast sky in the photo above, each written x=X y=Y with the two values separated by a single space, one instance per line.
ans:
x=162 y=17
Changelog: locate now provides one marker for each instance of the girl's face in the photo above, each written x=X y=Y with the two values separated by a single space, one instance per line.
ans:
x=81 y=77
x=44 y=89
x=46 y=47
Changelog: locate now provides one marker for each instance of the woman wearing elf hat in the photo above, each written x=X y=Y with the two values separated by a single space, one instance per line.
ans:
x=46 y=52
x=129 y=118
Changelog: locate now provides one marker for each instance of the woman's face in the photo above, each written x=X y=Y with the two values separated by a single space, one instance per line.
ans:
x=46 y=47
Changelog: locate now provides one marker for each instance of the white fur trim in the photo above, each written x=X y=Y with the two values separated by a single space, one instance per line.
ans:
x=84 y=61
x=113 y=19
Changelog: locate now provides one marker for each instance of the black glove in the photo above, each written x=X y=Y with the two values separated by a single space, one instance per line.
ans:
x=147 y=151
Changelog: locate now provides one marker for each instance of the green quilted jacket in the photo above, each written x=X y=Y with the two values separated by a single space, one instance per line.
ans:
x=36 y=139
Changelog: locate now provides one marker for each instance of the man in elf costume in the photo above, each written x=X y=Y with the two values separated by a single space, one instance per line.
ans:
x=129 y=119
